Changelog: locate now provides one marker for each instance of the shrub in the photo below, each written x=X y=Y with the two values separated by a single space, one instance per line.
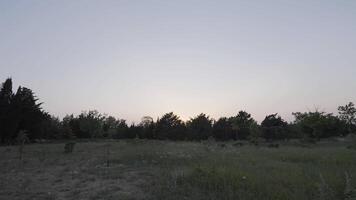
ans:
x=319 y=125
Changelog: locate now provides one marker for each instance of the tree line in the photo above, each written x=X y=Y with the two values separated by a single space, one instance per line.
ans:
x=21 y=111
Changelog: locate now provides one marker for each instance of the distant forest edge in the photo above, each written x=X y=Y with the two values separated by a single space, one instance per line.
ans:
x=21 y=115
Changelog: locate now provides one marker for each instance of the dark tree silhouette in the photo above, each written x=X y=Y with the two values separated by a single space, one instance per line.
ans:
x=319 y=125
x=110 y=125
x=71 y=125
x=121 y=130
x=347 y=113
x=29 y=112
x=242 y=123
x=200 y=127
x=19 y=111
x=7 y=125
x=51 y=128
x=148 y=127
x=222 y=129
x=91 y=124
x=170 y=127
x=274 y=127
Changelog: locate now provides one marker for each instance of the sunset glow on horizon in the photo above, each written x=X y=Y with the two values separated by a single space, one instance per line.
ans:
x=132 y=59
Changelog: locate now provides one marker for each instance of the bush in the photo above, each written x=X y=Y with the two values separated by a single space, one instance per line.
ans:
x=319 y=125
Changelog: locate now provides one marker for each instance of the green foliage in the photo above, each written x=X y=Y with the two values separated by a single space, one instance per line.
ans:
x=274 y=127
x=255 y=135
x=29 y=112
x=242 y=124
x=121 y=130
x=69 y=126
x=319 y=125
x=52 y=128
x=147 y=128
x=7 y=126
x=19 y=111
x=199 y=128
x=169 y=126
x=91 y=124
x=222 y=129
x=347 y=113
x=109 y=126
x=184 y=170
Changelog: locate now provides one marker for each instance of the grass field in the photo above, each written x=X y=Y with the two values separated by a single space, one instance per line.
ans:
x=142 y=169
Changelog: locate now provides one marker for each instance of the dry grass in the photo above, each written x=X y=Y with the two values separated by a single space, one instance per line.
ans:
x=141 y=169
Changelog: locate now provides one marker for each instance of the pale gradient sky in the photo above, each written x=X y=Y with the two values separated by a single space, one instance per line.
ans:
x=133 y=58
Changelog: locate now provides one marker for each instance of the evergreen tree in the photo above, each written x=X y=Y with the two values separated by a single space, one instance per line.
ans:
x=19 y=111
x=222 y=129
x=170 y=127
x=6 y=124
x=200 y=127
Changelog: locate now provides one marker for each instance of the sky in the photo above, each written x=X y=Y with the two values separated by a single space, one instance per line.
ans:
x=131 y=58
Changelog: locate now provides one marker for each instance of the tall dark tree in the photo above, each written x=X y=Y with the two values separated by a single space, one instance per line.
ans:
x=170 y=127
x=6 y=93
x=19 y=111
x=121 y=130
x=91 y=124
x=148 y=127
x=71 y=126
x=133 y=131
x=274 y=127
x=110 y=126
x=7 y=126
x=200 y=127
x=30 y=113
x=242 y=123
x=347 y=113
x=51 y=128
x=66 y=131
x=222 y=129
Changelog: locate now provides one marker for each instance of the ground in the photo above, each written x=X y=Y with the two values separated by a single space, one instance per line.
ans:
x=143 y=169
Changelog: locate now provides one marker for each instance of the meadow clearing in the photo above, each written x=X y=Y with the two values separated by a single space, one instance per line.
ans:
x=152 y=169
